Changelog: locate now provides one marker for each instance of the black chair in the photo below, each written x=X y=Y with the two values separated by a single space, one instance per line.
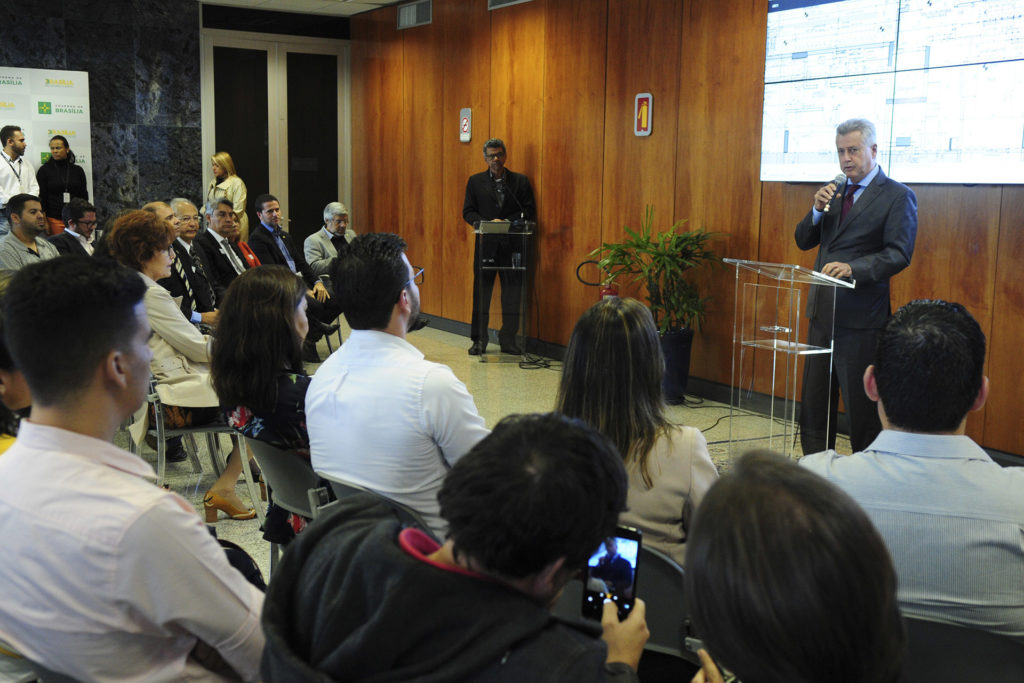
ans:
x=938 y=652
x=292 y=484
x=405 y=514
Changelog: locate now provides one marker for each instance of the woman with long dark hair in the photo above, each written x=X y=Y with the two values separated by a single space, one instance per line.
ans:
x=257 y=357
x=611 y=379
x=181 y=354
x=60 y=179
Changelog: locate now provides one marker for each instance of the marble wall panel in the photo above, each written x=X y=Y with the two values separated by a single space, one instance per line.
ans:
x=167 y=78
x=107 y=52
x=115 y=165
x=166 y=14
x=37 y=43
x=120 y=12
x=170 y=163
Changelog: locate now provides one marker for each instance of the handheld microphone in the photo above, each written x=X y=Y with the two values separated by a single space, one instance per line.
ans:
x=838 y=180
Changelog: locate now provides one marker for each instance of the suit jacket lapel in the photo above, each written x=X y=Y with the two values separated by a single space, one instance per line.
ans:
x=869 y=195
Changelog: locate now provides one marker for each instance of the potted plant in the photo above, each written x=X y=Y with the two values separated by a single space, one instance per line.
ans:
x=660 y=261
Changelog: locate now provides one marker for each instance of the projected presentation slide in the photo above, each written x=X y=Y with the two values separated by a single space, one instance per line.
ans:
x=939 y=79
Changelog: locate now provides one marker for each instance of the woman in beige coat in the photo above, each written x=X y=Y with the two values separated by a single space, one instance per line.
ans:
x=181 y=354
x=227 y=184
x=611 y=379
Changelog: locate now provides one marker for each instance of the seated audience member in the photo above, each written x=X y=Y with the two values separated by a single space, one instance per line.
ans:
x=220 y=247
x=187 y=282
x=26 y=242
x=15 y=397
x=379 y=415
x=256 y=365
x=273 y=245
x=611 y=379
x=79 y=234
x=788 y=581
x=359 y=598
x=953 y=519
x=323 y=246
x=141 y=241
x=128 y=584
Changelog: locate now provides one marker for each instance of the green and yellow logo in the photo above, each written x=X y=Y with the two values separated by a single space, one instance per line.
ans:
x=4 y=104
x=45 y=108
x=6 y=79
x=59 y=82
x=44 y=157
x=66 y=132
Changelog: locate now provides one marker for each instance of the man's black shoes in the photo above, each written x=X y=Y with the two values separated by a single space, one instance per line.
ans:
x=477 y=348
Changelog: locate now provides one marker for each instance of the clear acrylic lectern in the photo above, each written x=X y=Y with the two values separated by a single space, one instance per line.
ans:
x=766 y=346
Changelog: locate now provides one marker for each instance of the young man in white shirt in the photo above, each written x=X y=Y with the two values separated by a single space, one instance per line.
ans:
x=106 y=576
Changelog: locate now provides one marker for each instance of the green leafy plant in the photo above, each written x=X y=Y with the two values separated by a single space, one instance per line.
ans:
x=660 y=261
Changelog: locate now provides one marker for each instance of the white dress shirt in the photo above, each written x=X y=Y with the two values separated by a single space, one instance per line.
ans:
x=106 y=577
x=382 y=417
x=87 y=244
x=16 y=177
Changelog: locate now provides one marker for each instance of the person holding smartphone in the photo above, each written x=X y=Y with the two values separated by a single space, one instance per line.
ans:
x=525 y=509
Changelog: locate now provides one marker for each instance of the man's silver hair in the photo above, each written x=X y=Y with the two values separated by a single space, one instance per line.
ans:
x=495 y=143
x=179 y=202
x=334 y=209
x=863 y=126
x=212 y=205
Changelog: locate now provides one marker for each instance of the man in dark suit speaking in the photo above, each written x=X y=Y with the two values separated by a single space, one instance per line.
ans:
x=497 y=193
x=865 y=233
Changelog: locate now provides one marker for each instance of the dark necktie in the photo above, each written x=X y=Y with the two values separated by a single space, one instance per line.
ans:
x=848 y=201
x=203 y=282
x=179 y=268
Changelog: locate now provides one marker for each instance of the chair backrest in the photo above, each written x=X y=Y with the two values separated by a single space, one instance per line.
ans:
x=659 y=583
x=289 y=475
x=405 y=514
x=939 y=652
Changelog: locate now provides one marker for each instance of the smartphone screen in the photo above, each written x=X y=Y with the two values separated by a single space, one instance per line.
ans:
x=611 y=573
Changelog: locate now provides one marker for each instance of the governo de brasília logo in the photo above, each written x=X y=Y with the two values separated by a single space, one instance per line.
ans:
x=45 y=108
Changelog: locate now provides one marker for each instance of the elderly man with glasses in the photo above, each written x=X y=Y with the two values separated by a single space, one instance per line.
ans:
x=189 y=278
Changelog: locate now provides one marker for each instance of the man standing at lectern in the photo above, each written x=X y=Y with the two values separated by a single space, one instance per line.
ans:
x=497 y=194
x=865 y=229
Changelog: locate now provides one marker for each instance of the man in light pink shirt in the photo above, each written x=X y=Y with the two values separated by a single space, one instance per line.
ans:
x=104 y=577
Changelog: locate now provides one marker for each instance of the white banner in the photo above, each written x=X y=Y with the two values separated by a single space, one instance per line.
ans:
x=48 y=102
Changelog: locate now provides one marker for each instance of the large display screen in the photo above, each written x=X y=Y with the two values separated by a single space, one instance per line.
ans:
x=942 y=80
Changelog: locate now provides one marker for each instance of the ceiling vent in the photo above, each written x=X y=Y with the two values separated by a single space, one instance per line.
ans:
x=414 y=14
x=498 y=4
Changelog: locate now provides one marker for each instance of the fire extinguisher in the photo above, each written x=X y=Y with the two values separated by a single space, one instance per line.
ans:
x=607 y=286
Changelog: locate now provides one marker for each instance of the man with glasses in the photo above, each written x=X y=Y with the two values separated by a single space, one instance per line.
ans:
x=379 y=415
x=497 y=194
x=188 y=281
x=80 y=234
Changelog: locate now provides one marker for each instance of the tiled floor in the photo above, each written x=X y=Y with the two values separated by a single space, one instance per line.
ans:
x=499 y=389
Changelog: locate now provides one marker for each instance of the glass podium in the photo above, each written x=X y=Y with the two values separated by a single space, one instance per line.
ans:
x=766 y=348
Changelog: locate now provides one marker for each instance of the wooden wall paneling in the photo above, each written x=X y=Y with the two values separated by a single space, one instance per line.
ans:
x=1005 y=361
x=467 y=76
x=517 y=97
x=955 y=256
x=571 y=166
x=718 y=152
x=644 y=40
x=419 y=191
x=377 y=119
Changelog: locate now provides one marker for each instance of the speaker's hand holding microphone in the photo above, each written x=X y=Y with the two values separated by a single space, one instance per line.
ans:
x=823 y=197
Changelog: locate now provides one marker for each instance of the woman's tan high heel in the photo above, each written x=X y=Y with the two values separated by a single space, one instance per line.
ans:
x=214 y=502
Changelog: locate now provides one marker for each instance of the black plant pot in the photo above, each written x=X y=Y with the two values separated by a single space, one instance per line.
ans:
x=676 y=345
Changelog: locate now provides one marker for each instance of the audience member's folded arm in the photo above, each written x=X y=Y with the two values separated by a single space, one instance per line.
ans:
x=175 y=575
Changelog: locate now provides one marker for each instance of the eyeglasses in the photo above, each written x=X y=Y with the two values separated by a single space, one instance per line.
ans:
x=417 y=277
x=496 y=155
x=86 y=223
x=188 y=219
